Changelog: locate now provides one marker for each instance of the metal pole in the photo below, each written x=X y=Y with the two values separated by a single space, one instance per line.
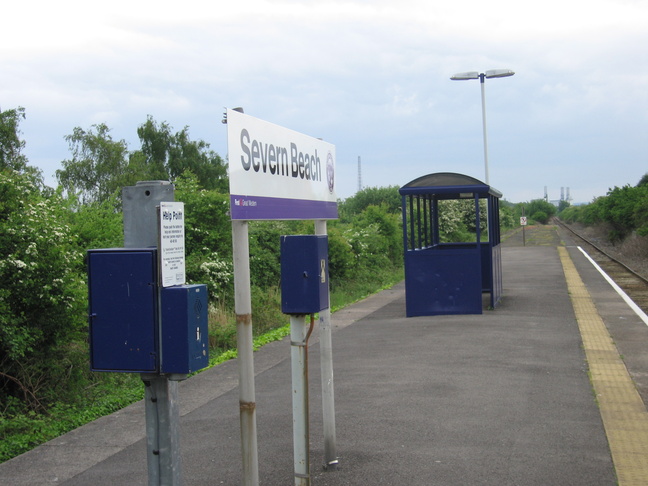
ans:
x=162 y=423
x=523 y=228
x=328 y=387
x=243 y=309
x=152 y=436
x=299 y=334
x=141 y=229
x=483 y=99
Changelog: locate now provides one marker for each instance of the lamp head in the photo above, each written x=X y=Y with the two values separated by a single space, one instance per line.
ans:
x=464 y=76
x=499 y=73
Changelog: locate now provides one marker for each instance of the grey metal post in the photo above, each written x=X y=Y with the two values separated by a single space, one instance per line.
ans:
x=140 y=204
x=299 y=333
x=162 y=430
x=483 y=99
x=523 y=228
x=244 y=342
x=328 y=387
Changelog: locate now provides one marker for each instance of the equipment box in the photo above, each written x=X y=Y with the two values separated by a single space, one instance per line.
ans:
x=185 y=334
x=123 y=309
x=304 y=274
x=126 y=332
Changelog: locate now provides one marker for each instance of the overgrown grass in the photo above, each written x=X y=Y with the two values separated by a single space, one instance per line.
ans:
x=360 y=288
x=21 y=432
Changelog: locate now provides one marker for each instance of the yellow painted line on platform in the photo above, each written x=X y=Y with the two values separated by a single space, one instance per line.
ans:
x=624 y=414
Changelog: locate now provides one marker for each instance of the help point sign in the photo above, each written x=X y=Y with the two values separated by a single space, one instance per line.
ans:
x=276 y=173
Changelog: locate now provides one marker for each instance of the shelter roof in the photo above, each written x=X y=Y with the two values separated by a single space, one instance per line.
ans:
x=448 y=184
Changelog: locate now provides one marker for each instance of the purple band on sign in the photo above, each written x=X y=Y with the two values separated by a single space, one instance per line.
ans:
x=255 y=208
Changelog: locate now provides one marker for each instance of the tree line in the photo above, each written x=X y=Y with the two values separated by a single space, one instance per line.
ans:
x=624 y=210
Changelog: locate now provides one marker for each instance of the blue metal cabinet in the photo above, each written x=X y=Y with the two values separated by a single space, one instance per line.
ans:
x=185 y=334
x=123 y=309
x=304 y=274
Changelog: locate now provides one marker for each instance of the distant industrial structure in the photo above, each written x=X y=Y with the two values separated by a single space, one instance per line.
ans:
x=564 y=196
x=359 y=174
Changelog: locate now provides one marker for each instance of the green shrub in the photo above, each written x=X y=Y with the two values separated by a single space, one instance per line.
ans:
x=540 y=217
x=43 y=295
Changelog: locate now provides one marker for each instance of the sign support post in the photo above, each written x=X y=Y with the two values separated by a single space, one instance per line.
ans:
x=326 y=366
x=523 y=222
x=299 y=334
x=275 y=174
x=141 y=230
x=244 y=341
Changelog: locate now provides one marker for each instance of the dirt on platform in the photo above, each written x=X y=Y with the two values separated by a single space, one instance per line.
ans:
x=532 y=235
x=632 y=252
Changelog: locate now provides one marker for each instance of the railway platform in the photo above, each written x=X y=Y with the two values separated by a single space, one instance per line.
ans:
x=540 y=391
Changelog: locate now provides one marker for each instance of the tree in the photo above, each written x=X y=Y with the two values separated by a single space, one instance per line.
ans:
x=542 y=209
x=562 y=205
x=98 y=165
x=371 y=196
x=155 y=141
x=643 y=181
x=11 y=145
x=167 y=156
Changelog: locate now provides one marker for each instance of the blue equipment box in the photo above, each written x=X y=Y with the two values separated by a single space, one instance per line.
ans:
x=123 y=309
x=304 y=274
x=138 y=327
x=185 y=334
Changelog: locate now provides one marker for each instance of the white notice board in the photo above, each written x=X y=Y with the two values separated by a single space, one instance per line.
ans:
x=172 y=243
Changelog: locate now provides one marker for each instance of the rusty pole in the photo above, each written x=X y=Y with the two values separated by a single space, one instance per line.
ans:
x=244 y=338
x=299 y=334
x=328 y=387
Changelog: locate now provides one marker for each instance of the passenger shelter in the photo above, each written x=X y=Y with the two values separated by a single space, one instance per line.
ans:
x=449 y=277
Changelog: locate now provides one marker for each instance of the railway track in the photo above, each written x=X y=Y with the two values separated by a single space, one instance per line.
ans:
x=632 y=283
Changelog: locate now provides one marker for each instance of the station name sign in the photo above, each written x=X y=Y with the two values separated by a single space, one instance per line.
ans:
x=276 y=173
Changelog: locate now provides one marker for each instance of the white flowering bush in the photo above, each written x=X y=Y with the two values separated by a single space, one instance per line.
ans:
x=342 y=259
x=214 y=271
x=42 y=292
x=457 y=220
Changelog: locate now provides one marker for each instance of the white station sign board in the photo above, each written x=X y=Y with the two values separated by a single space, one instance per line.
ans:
x=172 y=243
x=276 y=173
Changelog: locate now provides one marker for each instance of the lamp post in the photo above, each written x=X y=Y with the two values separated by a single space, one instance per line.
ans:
x=493 y=73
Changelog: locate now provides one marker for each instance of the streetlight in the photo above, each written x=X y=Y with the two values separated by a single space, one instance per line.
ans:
x=493 y=73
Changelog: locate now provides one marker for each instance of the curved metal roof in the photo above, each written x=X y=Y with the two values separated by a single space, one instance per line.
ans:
x=447 y=182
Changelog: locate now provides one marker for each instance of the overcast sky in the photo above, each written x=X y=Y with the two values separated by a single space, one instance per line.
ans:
x=370 y=76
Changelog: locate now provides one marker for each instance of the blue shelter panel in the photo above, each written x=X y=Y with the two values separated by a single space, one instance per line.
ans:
x=443 y=281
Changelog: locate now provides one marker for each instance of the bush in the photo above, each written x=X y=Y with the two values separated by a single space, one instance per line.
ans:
x=43 y=296
x=507 y=217
x=540 y=217
x=540 y=206
x=342 y=260
x=623 y=209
